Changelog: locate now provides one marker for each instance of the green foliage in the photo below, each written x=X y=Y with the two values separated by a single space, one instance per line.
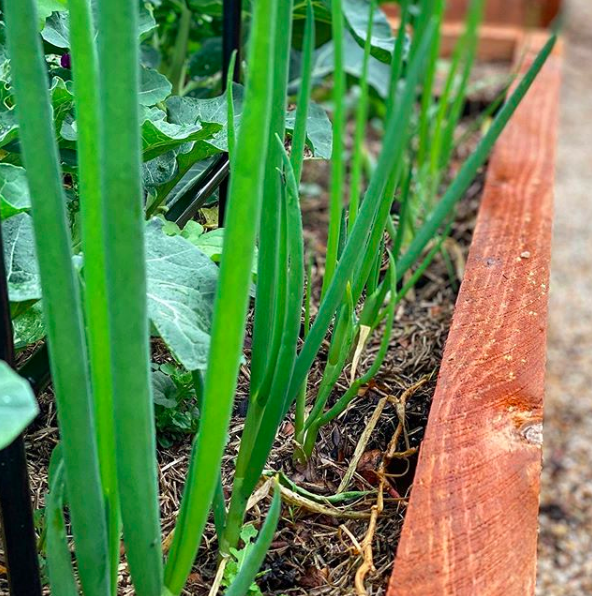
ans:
x=175 y=402
x=18 y=406
x=14 y=192
x=238 y=557
x=181 y=284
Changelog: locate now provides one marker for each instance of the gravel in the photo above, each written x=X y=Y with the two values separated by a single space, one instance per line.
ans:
x=565 y=565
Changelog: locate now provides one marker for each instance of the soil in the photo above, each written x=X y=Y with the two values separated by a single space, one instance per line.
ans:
x=318 y=553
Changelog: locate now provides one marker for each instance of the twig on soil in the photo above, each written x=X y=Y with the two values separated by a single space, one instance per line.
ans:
x=400 y=406
x=368 y=564
x=219 y=576
x=362 y=443
x=294 y=498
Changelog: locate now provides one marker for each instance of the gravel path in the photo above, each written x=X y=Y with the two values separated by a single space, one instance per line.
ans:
x=565 y=547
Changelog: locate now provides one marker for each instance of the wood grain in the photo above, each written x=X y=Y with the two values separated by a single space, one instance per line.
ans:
x=536 y=13
x=496 y=42
x=471 y=525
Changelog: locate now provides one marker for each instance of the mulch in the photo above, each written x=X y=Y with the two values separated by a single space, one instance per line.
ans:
x=318 y=551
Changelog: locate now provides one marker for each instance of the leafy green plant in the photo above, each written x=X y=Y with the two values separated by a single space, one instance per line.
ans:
x=238 y=558
x=175 y=403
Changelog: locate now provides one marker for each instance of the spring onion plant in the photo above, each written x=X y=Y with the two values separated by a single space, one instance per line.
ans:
x=105 y=471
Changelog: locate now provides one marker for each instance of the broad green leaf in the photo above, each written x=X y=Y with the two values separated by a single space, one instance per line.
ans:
x=181 y=287
x=20 y=258
x=378 y=72
x=210 y=243
x=208 y=59
x=57 y=30
x=14 y=191
x=8 y=126
x=154 y=87
x=318 y=130
x=18 y=406
x=62 y=100
x=193 y=173
x=159 y=170
x=356 y=14
x=4 y=58
x=57 y=27
x=28 y=327
x=160 y=136
x=188 y=110
x=164 y=389
x=46 y=7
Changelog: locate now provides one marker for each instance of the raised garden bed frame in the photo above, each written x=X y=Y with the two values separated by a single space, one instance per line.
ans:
x=472 y=520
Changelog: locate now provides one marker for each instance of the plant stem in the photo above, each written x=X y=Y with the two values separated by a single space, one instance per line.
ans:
x=61 y=300
x=177 y=68
x=337 y=162
x=126 y=283
x=232 y=297
x=360 y=130
x=87 y=100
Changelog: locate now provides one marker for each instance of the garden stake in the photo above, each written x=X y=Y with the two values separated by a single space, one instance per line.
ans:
x=16 y=515
x=231 y=42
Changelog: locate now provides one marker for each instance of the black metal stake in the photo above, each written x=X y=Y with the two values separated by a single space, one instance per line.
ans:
x=16 y=514
x=231 y=42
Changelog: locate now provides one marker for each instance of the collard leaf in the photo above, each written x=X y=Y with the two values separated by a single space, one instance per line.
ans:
x=28 y=327
x=46 y=7
x=159 y=170
x=14 y=190
x=57 y=27
x=18 y=406
x=210 y=243
x=195 y=172
x=319 y=135
x=188 y=110
x=208 y=59
x=164 y=390
x=356 y=14
x=160 y=136
x=4 y=58
x=181 y=288
x=20 y=258
x=154 y=87
x=378 y=72
x=57 y=30
x=146 y=21
x=8 y=126
x=62 y=101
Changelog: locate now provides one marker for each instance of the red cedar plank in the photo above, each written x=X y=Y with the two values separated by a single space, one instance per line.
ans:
x=496 y=42
x=471 y=525
x=537 y=13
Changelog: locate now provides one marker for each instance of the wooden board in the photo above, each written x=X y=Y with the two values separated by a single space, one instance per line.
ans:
x=533 y=13
x=496 y=42
x=471 y=524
